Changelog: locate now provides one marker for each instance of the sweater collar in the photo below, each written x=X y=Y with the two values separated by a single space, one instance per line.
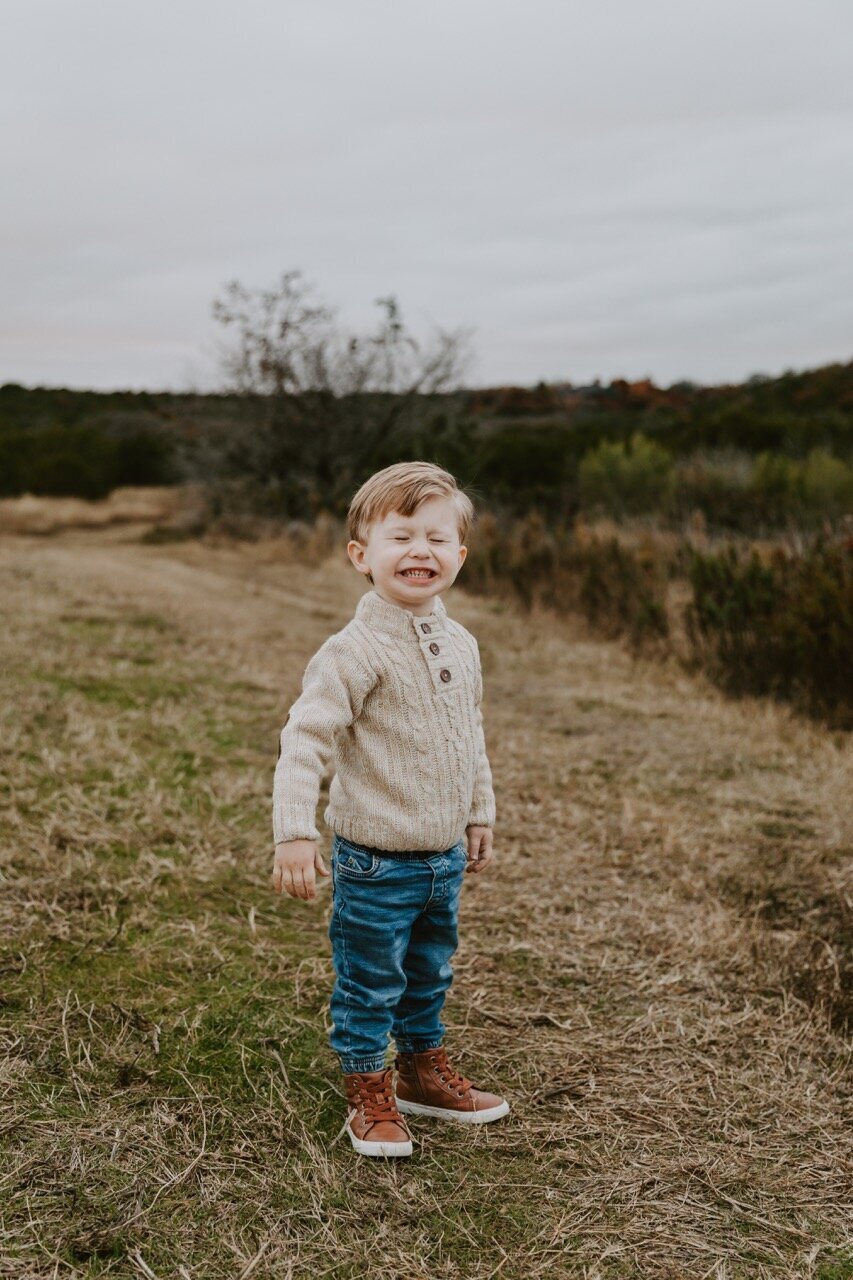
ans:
x=384 y=616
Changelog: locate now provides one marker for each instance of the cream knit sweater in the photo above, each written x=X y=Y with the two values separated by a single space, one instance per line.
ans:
x=393 y=701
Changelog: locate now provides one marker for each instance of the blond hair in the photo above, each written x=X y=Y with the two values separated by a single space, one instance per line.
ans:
x=402 y=487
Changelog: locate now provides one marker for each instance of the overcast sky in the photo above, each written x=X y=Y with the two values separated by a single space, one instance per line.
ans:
x=601 y=189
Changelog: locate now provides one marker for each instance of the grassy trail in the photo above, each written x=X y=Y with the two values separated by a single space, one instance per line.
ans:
x=651 y=971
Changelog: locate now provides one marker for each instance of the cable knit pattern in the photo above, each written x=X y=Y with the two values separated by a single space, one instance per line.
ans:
x=392 y=702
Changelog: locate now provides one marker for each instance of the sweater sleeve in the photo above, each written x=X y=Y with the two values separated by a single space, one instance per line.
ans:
x=482 y=812
x=334 y=687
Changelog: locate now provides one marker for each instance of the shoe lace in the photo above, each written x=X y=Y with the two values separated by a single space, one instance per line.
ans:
x=447 y=1074
x=375 y=1099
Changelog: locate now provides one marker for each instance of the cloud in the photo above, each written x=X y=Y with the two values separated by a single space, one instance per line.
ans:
x=600 y=190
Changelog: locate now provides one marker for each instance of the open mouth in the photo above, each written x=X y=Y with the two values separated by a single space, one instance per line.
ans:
x=417 y=575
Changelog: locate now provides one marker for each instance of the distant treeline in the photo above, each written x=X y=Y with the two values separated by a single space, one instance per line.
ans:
x=764 y=453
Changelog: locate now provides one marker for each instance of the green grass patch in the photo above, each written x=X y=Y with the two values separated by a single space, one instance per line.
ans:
x=840 y=1268
x=126 y=692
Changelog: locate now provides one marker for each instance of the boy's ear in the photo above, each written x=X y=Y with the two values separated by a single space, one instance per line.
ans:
x=355 y=551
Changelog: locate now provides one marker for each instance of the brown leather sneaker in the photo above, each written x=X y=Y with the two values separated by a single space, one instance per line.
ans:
x=374 y=1124
x=427 y=1085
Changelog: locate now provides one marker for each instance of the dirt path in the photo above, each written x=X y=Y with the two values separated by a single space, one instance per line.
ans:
x=640 y=972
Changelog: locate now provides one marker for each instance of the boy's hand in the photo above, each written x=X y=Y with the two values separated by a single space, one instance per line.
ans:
x=295 y=864
x=479 y=847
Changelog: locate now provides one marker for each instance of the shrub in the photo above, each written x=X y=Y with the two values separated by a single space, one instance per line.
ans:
x=774 y=489
x=783 y=628
x=736 y=492
x=521 y=554
x=621 y=593
x=715 y=482
x=618 y=590
x=624 y=479
x=826 y=485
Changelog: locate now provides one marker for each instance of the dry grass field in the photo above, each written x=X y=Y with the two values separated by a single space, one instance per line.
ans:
x=31 y=514
x=652 y=971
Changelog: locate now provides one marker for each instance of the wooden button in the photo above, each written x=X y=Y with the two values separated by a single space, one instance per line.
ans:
x=434 y=648
x=445 y=674
x=426 y=628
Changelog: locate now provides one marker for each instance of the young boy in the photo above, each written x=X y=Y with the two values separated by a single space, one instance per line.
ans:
x=394 y=700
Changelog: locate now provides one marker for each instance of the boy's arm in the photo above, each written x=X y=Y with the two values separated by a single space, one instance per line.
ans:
x=482 y=813
x=334 y=687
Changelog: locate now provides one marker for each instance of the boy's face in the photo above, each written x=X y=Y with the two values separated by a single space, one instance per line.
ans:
x=427 y=542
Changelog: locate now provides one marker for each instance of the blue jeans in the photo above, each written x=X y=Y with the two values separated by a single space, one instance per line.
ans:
x=393 y=931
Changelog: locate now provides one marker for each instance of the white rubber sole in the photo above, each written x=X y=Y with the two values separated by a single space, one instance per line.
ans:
x=446 y=1113
x=385 y=1150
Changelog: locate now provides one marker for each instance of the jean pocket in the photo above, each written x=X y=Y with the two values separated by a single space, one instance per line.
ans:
x=351 y=862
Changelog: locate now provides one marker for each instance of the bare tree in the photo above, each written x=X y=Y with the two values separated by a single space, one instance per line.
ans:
x=333 y=403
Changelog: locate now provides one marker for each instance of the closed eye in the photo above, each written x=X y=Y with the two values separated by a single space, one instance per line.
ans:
x=404 y=537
